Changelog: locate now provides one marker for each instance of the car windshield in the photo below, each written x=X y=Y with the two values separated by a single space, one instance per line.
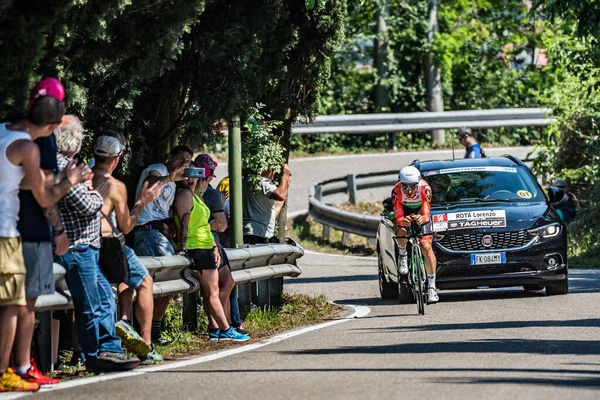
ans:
x=482 y=184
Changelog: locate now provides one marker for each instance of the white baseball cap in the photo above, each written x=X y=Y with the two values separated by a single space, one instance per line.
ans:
x=108 y=146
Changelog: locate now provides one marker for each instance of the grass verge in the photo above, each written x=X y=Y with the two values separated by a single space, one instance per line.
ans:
x=297 y=310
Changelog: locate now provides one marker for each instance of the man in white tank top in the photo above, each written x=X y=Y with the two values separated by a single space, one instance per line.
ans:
x=20 y=168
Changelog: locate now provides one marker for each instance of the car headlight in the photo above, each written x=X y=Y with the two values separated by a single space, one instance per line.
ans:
x=548 y=231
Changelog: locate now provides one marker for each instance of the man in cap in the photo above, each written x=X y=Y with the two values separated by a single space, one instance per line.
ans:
x=466 y=138
x=108 y=150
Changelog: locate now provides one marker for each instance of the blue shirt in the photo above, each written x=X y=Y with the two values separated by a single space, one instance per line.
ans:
x=474 y=151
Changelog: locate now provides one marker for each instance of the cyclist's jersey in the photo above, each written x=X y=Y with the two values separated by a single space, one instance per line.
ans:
x=419 y=203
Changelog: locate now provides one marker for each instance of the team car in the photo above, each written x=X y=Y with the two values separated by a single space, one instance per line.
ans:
x=492 y=226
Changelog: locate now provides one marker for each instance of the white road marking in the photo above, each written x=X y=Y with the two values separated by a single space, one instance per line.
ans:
x=359 y=312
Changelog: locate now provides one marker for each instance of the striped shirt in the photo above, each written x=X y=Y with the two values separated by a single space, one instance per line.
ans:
x=79 y=211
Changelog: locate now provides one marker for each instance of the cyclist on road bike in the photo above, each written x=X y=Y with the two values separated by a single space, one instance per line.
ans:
x=412 y=198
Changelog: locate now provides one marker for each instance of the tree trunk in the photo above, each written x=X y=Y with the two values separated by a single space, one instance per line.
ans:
x=435 y=101
x=286 y=142
x=381 y=96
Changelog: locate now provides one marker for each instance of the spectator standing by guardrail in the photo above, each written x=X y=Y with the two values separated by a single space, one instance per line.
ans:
x=198 y=240
x=154 y=230
x=21 y=161
x=260 y=205
x=108 y=151
x=39 y=228
x=90 y=290
x=466 y=138
x=219 y=222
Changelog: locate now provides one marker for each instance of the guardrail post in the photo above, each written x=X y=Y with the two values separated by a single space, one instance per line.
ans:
x=44 y=340
x=262 y=293
x=326 y=232
x=276 y=291
x=345 y=238
x=190 y=311
x=244 y=298
x=352 y=191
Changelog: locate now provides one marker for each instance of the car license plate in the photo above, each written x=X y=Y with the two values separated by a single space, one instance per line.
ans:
x=488 y=258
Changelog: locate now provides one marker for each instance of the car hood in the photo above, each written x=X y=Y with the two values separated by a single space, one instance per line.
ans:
x=519 y=216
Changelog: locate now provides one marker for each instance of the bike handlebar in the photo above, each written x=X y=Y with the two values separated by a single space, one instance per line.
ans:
x=413 y=231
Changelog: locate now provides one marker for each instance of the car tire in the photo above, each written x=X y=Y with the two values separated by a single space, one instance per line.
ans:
x=533 y=287
x=404 y=293
x=558 y=288
x=388 y=290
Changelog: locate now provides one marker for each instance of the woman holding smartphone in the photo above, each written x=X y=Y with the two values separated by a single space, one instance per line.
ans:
x=197 y=240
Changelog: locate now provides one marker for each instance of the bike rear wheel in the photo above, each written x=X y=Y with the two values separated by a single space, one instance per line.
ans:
x=419 y=280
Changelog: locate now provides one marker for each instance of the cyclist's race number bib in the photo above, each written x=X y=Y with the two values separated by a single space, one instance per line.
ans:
x=469 y=219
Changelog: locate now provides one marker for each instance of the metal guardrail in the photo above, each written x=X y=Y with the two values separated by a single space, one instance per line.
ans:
x=257 y=270
x=332 y=217
x=171 y=275
x=424 y=121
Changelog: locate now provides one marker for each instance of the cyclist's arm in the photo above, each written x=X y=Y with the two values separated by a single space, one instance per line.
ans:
x=397 y=202
x=426 y=205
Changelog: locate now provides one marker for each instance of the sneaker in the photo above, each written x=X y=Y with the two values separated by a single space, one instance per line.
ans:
x=213 y=335
x=240 y=329
x=11 y=382
x=432 y=296
x=132 y=341
x=116 y=361
x=232 y=334
x=152 y=358
x=77 y=359
x=403 y=264
x=34 y=375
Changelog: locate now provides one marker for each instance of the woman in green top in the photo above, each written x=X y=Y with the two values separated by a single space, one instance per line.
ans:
x=197 y=240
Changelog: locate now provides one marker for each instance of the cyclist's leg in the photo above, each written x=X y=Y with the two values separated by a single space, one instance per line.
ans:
x=430 y=267
x=402 y=258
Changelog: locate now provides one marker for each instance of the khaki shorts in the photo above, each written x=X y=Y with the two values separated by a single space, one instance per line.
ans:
x=12 y=272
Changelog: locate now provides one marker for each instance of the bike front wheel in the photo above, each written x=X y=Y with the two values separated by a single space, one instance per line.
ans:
x=419 y=281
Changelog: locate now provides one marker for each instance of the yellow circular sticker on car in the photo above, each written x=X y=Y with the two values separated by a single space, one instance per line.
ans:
x=524 y=194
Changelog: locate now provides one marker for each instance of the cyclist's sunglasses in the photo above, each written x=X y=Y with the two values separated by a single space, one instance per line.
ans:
x=409 y=186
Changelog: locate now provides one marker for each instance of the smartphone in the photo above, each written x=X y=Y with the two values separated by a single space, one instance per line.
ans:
x=194 y=172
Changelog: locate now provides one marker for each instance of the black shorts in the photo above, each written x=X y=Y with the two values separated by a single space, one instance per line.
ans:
x=204 y=259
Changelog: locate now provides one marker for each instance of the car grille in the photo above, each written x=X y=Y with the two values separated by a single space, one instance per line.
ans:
x=472 y=242
x=476 y=270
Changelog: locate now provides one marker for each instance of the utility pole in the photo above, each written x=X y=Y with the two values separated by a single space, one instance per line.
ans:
x=435 y=101
x=381 y=96
x=235 y=182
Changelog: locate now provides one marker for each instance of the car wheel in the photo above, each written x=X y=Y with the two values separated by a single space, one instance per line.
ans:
x=558 y=288
x=404 y=293
x=388 y=290
x=533 y=288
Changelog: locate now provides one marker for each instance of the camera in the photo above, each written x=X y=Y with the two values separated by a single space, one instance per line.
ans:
x=194 y=172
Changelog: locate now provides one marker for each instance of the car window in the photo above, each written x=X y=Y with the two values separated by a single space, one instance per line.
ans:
x=459 y=185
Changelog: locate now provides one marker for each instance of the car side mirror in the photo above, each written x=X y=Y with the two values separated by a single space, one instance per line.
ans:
x=388 y=205
x=555 y=194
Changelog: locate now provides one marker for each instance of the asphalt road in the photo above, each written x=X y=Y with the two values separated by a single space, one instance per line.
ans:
x=482 y=344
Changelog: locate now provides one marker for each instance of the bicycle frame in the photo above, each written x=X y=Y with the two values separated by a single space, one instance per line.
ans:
x=417 y=276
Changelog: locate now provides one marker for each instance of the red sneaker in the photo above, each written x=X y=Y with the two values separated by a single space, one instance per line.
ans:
x=35 y=375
